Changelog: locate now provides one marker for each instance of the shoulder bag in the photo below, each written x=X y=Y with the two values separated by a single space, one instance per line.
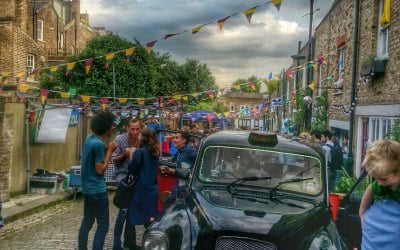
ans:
x=125 y=187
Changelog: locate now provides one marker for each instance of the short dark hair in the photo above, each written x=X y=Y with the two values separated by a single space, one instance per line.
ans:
x=102 y=122
x=184 y=135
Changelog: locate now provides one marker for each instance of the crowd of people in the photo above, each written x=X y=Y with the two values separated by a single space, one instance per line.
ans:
x=135 y=151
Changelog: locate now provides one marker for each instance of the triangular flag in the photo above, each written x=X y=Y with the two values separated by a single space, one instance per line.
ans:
x=252 y=85
x=270 y=76
x=140 y=101
x=85 y=98
x=88 y=64
x=128 y=54
x=72 y=92
x=64 y=95
x=150 y=45
x=222 y=21
x=18 y=76
x=109 y=58
x=23 y=88
x=43 y=94
x=385 y=15
x=236 y=86
x=104 y=101
x=122 y=100
x=196 y=29
x=70 y=67
x=277 y=4
x=4 y=77
x=53 y=70
x=312 y=86
x=170 y=35
x=249 y=13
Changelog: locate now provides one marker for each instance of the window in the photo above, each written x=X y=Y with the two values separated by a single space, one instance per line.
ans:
x=30 y=65
x=60 y=41
x=39 y=30
x=380 y=128
x=383 y=32
x=232 y=107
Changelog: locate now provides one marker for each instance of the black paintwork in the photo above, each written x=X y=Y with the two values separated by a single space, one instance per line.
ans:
x=210 y=211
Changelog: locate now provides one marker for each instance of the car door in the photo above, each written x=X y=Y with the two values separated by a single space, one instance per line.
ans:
x=348 y=221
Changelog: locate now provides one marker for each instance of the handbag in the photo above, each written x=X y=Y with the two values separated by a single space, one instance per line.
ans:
x=125 y=187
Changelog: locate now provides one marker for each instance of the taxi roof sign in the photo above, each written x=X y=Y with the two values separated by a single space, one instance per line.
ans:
x=261 y=138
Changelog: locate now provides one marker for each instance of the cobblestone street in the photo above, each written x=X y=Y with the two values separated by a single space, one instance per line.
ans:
x=53 y=228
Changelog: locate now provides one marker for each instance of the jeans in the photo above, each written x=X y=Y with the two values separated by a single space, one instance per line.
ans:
x=95 y=206
x=118 y=228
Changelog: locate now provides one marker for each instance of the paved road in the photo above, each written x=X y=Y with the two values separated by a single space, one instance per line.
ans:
x=54 y=228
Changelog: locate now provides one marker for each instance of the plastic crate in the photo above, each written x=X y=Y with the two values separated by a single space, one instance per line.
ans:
x=43 y=185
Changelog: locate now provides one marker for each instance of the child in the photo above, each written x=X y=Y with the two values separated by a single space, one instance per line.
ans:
x=380 y=220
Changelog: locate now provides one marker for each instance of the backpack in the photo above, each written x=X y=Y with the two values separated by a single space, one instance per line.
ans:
x=336 y=161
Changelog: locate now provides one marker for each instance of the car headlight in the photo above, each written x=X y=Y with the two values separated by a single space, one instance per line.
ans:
x=322 y=241
x=155 y=240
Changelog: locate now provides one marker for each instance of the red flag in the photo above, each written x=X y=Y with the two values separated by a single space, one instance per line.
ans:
x=88 y=64
x=150 y=45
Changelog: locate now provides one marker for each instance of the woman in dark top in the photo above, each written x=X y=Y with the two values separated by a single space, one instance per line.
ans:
x=143 y=207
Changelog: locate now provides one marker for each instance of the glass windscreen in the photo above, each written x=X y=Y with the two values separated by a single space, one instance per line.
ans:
x=223 y=165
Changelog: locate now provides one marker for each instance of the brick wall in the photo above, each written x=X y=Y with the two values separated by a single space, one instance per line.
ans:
x=6 y=145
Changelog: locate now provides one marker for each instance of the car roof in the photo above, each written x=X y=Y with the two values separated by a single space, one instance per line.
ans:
x=233 y=138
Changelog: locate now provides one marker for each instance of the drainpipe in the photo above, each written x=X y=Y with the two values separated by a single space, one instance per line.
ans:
x=28 y=162
x=354 y=79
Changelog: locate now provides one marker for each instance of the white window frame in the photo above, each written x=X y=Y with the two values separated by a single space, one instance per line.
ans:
x=39 y=30
x=232 y=107
x=379 y=127
x=30 y=65
x=60 y=41
x=383 y=36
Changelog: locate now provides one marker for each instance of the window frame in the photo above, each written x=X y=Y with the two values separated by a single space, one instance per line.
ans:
x=382 y=47
x=30 y=66
x=39 y=30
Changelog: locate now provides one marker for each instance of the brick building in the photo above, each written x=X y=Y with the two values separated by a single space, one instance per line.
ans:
x=39 y=33
x=356 y=55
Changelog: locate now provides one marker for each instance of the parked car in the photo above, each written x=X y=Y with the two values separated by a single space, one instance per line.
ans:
x=250 y=190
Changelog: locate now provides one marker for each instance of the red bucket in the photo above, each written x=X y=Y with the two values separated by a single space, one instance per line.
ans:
x=334 y=203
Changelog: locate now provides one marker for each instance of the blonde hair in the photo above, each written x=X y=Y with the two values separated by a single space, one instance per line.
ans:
x=383 y=157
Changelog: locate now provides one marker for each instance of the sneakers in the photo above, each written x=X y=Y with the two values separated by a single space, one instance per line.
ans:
x=1 y=222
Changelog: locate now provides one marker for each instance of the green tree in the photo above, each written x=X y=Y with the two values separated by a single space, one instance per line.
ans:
x=321 y=106
x=148 y=74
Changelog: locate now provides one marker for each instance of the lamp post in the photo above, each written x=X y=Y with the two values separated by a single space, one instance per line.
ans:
x=309 y=91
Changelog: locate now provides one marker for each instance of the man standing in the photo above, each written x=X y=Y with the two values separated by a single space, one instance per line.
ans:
x=332 y=173
x=95 y=159
x=120 y=157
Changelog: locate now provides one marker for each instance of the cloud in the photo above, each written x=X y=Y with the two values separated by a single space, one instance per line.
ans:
x=240 y=50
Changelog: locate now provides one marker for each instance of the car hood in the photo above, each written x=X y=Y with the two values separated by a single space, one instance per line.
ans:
x=227 y=212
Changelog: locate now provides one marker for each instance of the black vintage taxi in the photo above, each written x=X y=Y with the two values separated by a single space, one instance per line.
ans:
x=250 y=190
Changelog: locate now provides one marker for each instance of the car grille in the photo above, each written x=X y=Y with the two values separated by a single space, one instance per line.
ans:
x=231 y=243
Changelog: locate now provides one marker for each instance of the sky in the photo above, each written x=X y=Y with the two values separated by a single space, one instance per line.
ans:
x=238 y=51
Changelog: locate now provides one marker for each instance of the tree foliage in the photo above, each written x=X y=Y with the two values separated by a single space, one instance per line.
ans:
x=148 y=74
x=245 y=86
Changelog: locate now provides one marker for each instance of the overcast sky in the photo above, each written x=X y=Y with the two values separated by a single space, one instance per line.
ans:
x=240 y=50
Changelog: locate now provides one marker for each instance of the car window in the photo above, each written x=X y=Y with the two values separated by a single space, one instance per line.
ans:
x=222 y=165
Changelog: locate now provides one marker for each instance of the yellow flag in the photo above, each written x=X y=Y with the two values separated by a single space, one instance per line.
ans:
x=312 y=86
x=122 y=100
x=85 y=98
x=385 y=16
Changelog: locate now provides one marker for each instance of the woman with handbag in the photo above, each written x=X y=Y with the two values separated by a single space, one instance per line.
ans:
x=142 y=209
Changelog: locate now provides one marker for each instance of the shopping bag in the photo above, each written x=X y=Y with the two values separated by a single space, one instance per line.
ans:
x=123 y=195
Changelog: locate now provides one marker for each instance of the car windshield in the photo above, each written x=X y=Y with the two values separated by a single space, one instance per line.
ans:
x=224 y=165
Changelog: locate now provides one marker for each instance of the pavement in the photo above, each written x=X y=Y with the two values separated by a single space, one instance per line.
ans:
x=27 y=204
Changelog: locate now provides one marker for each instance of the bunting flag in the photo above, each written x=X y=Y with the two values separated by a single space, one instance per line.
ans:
x=170 y=35
x=53 y=71
x=210 y=94
x=1 y=87
x=64 y=95
x=72 y=92
x=18 y=76
x=88 y=64
x=237 y=86
x=70 y=67
x=270 y=76
x=196 y=29
x=85 y=98
x=43 y=95
x=128 y=54
x=289 y=73
x=222 y=21
x=249 y=13
x=385 y=16
x=109 y=58
x=104 y=101
x=122 y=100
x=312 y=85
x=150 y=45
x=277 y=4
x=23 y=88
x=4 y=77
x=140 y=101
x=252 y=85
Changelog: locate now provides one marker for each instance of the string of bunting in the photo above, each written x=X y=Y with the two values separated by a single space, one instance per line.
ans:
x=248 y=13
